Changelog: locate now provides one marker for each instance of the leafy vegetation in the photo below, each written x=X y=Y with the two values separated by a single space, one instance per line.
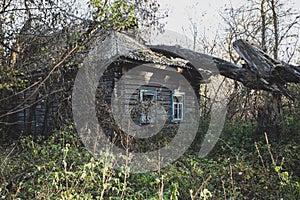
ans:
x=9 y=79
x=59 y=167
x=118 y=16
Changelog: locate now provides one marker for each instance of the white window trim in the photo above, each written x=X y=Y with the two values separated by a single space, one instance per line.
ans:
x=181 y=105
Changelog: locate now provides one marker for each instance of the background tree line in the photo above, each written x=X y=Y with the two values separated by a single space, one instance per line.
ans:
x=273 y=27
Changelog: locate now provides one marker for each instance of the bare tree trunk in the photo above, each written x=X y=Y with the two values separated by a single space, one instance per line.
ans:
x=263 y=29
x=275 y=25
x=270 y=114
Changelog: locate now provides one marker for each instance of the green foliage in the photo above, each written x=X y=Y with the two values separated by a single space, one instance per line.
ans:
x=10 y=79
x=60 y=167
x=118 y=15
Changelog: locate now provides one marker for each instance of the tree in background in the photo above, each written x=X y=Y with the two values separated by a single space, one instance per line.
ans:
x=272 y=26
x=44 y=36
x=20 y=18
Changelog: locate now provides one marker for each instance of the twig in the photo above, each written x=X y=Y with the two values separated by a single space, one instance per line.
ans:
x=269 y=149
x=201 y=188
x=43 y=81
x=2 y=164
x=27 y=106
x=231 y=180
x=261 y=159
x=224 y=190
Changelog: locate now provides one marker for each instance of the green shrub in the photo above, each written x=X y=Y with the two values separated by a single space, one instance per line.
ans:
x=60 y=167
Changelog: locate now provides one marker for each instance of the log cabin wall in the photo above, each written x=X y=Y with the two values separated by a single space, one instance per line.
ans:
x=41 y=112
x=35 y=117
x=40 y=109
x=119 y=82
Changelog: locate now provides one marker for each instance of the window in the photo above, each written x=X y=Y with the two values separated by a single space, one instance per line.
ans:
x=177 y=106
x=147 y=100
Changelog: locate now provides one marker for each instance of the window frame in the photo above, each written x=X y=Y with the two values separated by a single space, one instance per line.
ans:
x=180 y=106
x=141 y=95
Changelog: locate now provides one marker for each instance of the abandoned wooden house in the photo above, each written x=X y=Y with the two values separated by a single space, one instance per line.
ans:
x=149 y=89
x=153 y=86
x=142 y=84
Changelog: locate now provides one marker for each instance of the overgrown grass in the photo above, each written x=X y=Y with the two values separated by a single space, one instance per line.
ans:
x=60 y=167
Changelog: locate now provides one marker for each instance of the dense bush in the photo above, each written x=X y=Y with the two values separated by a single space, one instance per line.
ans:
x=59 y=167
